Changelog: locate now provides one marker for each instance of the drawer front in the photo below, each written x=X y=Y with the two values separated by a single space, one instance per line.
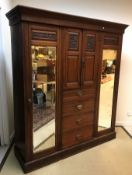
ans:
x=78 y=94
x=77 y=136
x=72 y=122
x=78 y=107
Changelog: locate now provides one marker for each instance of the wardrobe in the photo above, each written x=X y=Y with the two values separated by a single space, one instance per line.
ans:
x=65 y=83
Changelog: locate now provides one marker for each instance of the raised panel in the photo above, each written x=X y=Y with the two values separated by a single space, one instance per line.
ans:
x=111 y=40
x=77 y=136
x=73 y=41
x=72 y=58
x=78 y=107
x=90 y=43
x=89 y=68
x=44 y=35
x=72 y=69
x=79 y=94
x=89 y=62
x=77 y=121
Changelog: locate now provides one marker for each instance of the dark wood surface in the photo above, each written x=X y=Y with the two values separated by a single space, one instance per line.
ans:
x=79 y=42
x=29 y=14
x=76 y=136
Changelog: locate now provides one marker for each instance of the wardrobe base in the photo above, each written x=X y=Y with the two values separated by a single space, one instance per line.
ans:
x=58 y=155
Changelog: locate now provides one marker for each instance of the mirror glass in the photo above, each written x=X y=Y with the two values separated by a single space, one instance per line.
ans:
x=43 y=90
x=107 y=88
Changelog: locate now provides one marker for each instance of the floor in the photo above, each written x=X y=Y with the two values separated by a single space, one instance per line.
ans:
x=128 y=129
x=3 y=150
x=111 y=158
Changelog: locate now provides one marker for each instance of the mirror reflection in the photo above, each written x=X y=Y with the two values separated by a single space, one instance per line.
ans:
x=44 y=90
x=107 y=88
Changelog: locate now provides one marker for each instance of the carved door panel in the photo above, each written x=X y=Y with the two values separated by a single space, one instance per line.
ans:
x=72 y=57
x=89 y=59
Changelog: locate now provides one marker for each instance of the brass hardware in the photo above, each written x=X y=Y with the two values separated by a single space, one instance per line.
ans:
x=78 y=137
x=78 y=121
x=80 y=93
x=79 y=107
x=29 y=100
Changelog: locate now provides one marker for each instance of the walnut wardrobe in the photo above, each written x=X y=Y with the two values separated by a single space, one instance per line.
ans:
x=65 y=81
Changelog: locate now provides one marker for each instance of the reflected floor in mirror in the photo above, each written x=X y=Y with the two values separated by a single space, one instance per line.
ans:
x=44 y=137
x=106 y=96
x=42 y=116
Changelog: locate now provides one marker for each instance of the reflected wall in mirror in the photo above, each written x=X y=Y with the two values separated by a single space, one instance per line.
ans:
x=107 y=88
x=44 y=90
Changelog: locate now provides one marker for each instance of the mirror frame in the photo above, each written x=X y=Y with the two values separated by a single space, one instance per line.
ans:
x=56 y=44
x=116 y=83
x=103 y=87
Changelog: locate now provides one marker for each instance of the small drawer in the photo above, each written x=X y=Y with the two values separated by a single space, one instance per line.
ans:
x=78 y=107
x=77 y=136
x=77 y=121
x=78 y=94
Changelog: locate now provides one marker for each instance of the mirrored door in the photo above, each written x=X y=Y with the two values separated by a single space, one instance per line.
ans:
x=44 y=96
x=107 y=79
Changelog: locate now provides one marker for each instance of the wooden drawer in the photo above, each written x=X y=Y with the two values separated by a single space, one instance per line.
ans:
x=77 y=136
x=78 y=94
x=72 y=122
x=78 y=107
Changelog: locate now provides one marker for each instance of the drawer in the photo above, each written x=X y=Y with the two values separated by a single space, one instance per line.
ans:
x=78 y=94
x=78 y=107
x=72 y=122
x=77 y=136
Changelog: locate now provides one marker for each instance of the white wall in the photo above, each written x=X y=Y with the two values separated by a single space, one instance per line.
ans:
x=6 y=100
x=116 y=11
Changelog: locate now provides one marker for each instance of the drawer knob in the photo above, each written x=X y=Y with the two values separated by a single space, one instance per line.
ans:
x=80 y=93
x=78 y=137
x=79 y=107
x=29 y=100
x=78 y=121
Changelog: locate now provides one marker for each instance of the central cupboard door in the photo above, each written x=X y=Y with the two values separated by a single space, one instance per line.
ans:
x=80 y=54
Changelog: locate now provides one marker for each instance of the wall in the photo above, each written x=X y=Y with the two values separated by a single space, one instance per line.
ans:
x=6 y=100
x=116 y=11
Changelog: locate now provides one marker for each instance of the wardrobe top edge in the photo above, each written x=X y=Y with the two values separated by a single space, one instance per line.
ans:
x=23 y=13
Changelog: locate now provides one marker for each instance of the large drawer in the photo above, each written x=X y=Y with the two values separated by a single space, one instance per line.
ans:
x=78 y=106
x=77 y=136
x=72 y=122
x=78 y=94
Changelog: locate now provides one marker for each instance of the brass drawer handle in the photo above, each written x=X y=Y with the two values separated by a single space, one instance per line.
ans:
x=78 y=121
x=78 y=137
x=80 y=93
x=79 y=107
x=29 y=100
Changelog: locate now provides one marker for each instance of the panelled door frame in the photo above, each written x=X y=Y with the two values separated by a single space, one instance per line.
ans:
x=71 y=54
x=108 y=41
x=89 y=60
x=50 y=29
x=81 y=51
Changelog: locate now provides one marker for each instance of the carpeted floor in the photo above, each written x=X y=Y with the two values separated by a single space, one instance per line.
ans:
x=111 y=158
x=42 y=115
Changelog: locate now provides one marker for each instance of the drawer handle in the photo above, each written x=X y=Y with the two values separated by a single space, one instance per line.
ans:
x=78 y=121
x=29 y=100
x=80 y=93
x=78 y=137
x=79 y=107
